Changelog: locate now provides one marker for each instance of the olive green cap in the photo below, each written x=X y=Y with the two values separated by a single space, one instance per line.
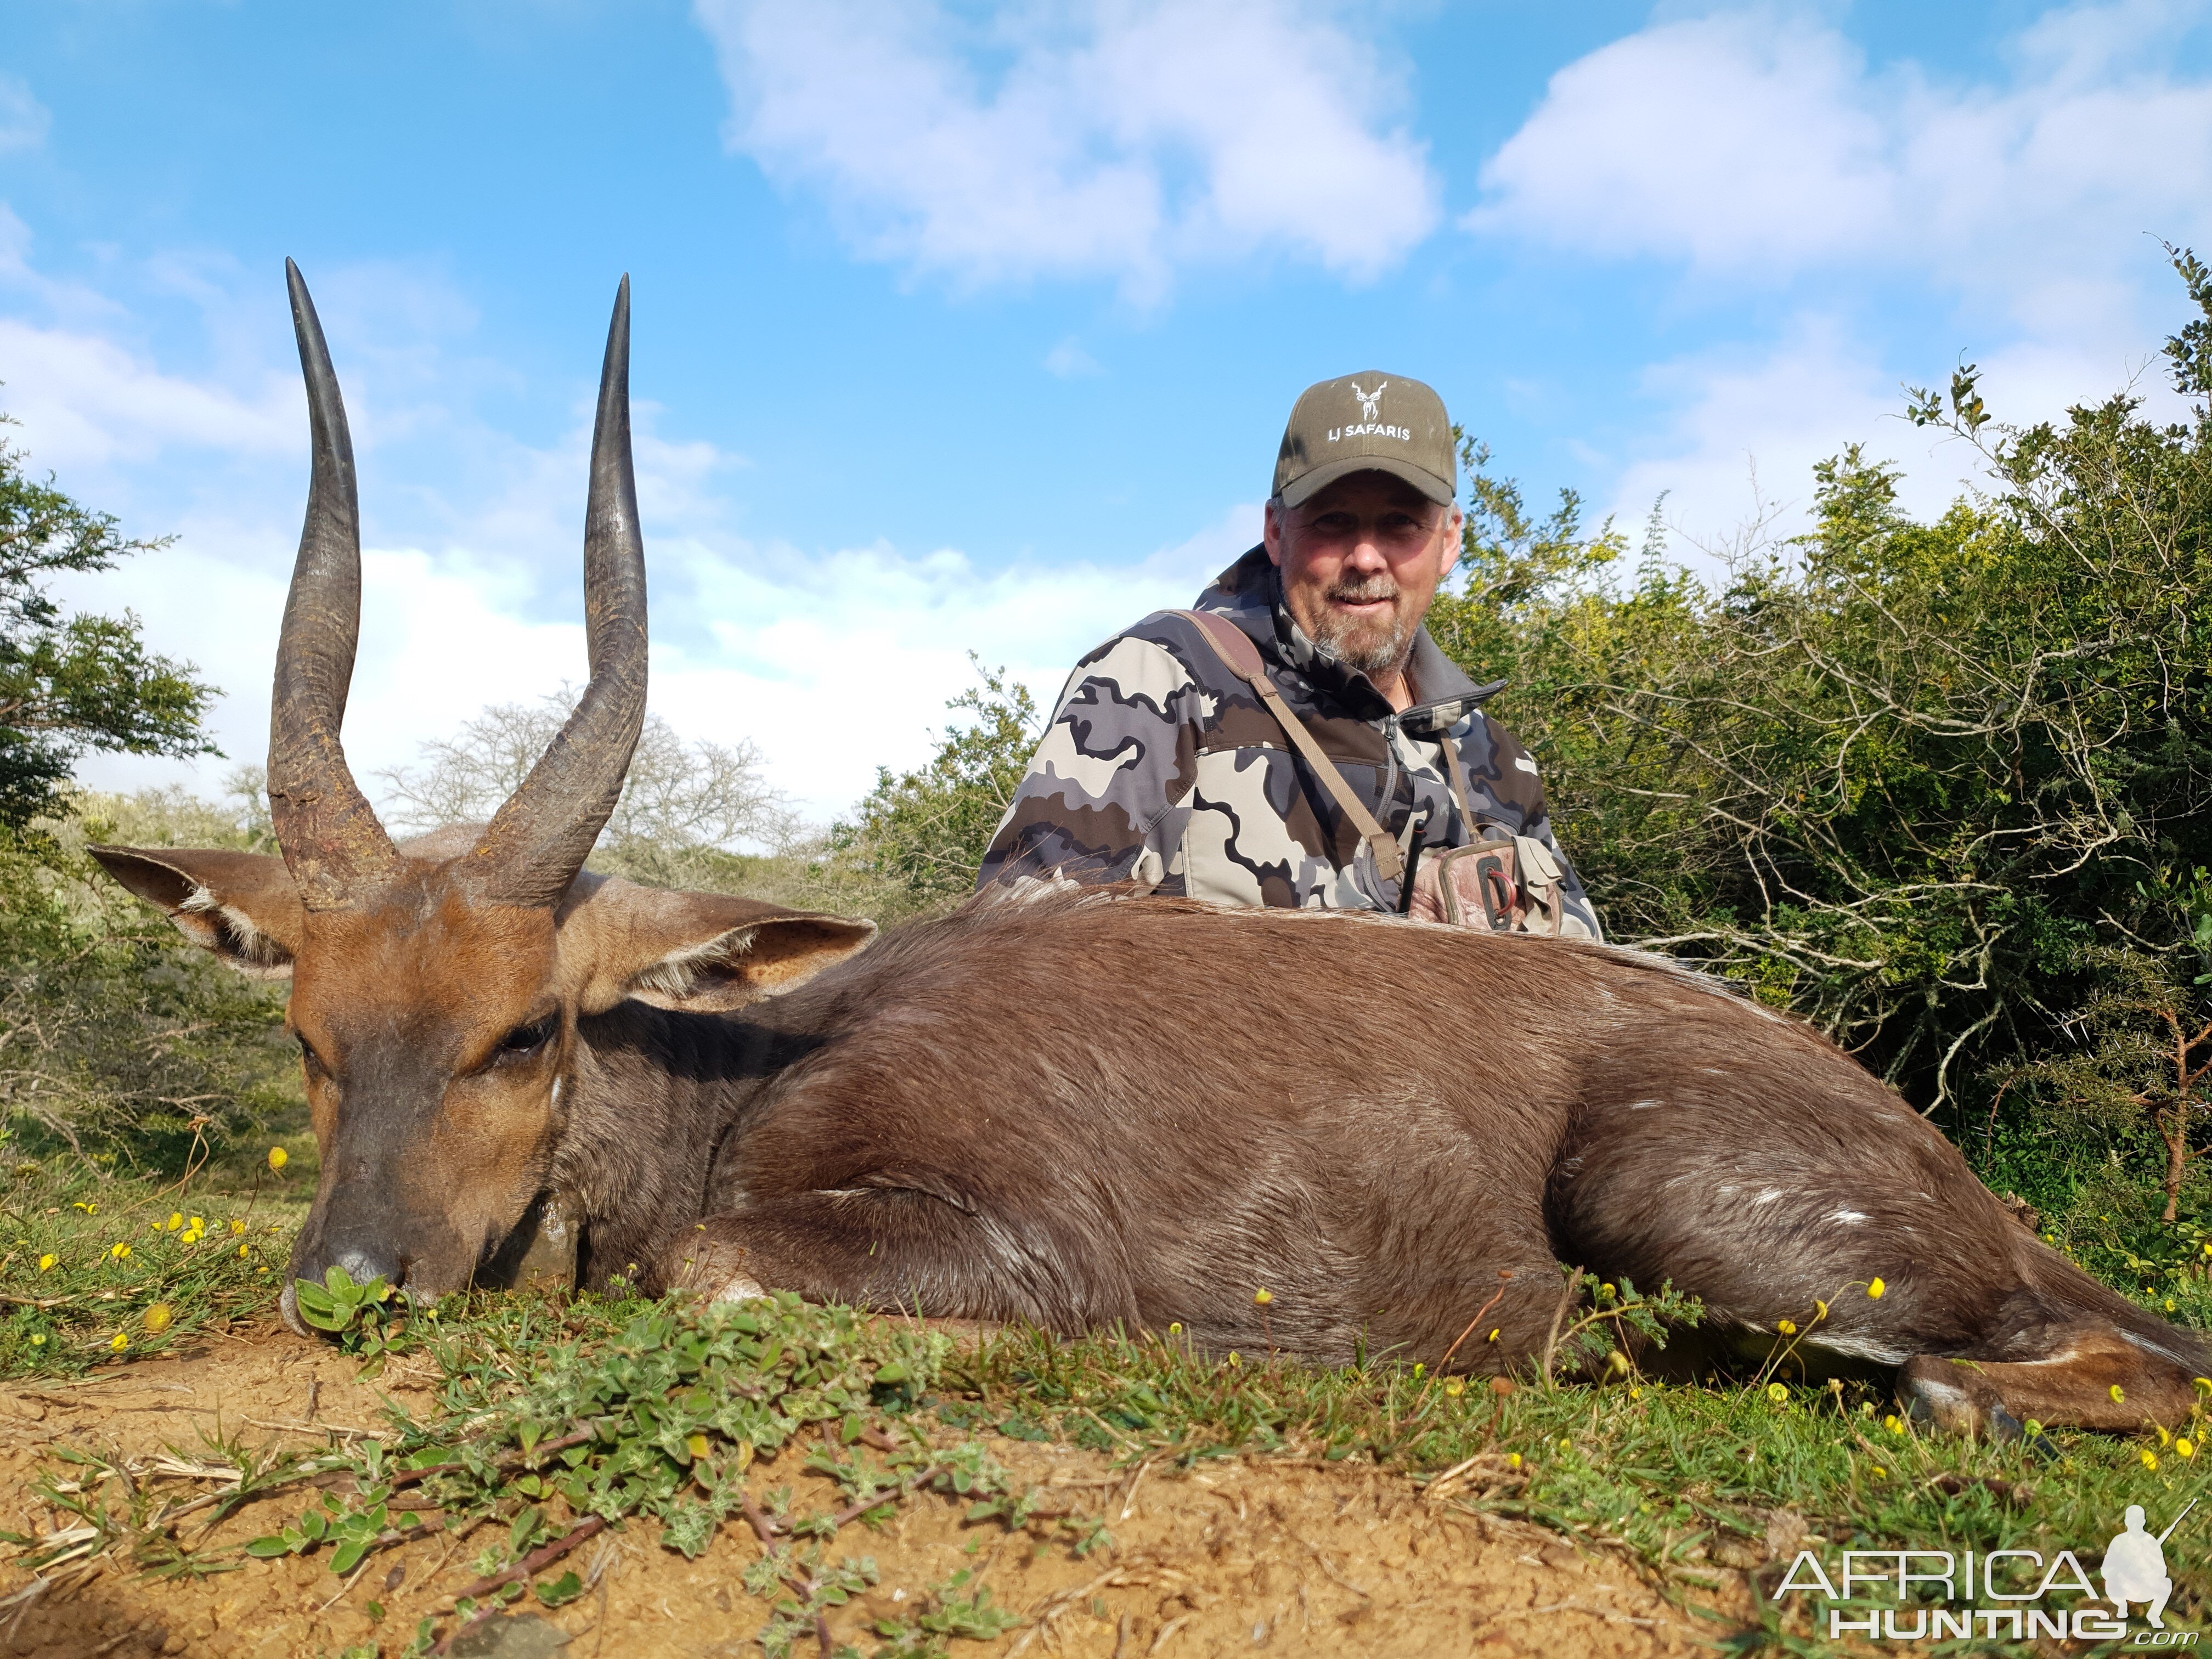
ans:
x=1371 y=422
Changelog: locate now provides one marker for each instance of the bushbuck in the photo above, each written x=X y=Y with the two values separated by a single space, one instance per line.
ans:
x=1074 y=1106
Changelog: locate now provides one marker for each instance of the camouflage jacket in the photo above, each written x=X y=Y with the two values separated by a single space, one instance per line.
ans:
x=1161 y=767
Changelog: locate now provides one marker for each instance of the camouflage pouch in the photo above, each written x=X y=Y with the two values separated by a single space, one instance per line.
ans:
x=1507 y=885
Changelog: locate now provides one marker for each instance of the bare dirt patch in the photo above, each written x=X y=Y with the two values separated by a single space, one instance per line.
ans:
x=1236 y=1556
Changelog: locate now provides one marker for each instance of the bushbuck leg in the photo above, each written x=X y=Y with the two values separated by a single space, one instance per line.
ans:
x=903 y=1250
x=1865 y=1231
x=2100 y=1378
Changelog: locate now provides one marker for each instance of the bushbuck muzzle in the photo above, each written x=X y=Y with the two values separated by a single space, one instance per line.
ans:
x=1078 y=1107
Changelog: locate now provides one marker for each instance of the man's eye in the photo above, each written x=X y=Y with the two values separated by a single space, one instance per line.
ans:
x=525 y=1040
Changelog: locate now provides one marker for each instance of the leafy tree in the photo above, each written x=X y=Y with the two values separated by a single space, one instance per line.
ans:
x=72 y=682
x=925 y=831
x=685 y=808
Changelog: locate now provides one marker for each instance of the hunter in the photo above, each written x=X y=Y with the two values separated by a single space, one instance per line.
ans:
x=1297 y=738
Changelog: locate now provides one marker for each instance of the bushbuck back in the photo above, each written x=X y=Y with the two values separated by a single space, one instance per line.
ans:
x=1075 y=1106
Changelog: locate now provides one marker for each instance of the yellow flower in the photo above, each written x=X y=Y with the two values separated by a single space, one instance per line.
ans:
x=1616 y=1363
x=1454 y=1388
x=237 y=1227
x=46 y=1261
x=176 y=1219
x=1234 y=1358
x=1419 y=1370
x=2164 y=1438
x=1175 y=1328
x=1876 y=1288
x=1819 y=1310
x=1492 y=1337
x=2119 y=1395
x=197 y=1225
x=1893 y=1423
x=1880 y=1473
x=1565 y=1444
x=158 y=1318
x=119 y=1251
x=1263 y=1296
x=278 y=1157
x=1778 y=1394
x=696 y=1445
x=2149 y=1458
x=119 y=1341
x=245 y=1250
x=1787 y=1327
x=264 y=1267
x=1513 y=1460
x=2185 y=1446
x=38 y=1339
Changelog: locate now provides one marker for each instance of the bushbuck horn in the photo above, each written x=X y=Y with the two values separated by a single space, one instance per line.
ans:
x=332 y=843
x=539 y=838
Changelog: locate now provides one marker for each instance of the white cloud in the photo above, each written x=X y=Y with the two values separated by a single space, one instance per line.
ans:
x=1756 y=149
x=24 y=120
x=92 y=402
x=832 y=662
x=1069 y=360
x=1114 y=138
x=1746 y=429
x=1757 y=144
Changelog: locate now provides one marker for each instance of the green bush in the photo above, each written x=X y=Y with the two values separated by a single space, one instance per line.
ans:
x=1939 y=787
x=119 y=1041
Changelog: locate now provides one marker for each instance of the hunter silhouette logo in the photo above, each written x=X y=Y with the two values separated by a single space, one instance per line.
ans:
x=2135 y=1567
x=1370 y=401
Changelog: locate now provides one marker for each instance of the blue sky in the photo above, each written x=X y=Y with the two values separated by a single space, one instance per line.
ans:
x=967 y=327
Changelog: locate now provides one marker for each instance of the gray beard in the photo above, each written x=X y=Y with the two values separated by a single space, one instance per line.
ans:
x=1377 y=656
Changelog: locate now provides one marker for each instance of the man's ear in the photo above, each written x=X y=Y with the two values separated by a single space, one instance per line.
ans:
x=242 y=906
x=697 y=952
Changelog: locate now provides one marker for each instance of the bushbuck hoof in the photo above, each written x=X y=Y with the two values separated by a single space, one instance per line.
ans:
x=1952 y=1395
x=287 y=1309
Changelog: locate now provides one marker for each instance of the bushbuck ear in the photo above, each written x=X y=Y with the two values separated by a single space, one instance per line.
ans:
x=699 y=952
x=242 y=906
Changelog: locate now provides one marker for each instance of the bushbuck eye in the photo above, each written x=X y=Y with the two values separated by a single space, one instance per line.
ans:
x=525 y=1040
x=307 y=1052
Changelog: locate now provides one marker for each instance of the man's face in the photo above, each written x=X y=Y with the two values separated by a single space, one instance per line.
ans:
x=1361 y=561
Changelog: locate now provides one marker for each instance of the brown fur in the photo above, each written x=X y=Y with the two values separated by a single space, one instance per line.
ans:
x=1084 y=1108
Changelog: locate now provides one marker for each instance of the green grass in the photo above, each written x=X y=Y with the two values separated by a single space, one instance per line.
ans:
x=555 y=1410
x=86 y=1257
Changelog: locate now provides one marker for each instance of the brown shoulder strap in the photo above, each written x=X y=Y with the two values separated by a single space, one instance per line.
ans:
x=1235 y=648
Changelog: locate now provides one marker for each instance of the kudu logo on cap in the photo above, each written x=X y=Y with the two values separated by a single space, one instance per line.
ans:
x=1371 y=422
